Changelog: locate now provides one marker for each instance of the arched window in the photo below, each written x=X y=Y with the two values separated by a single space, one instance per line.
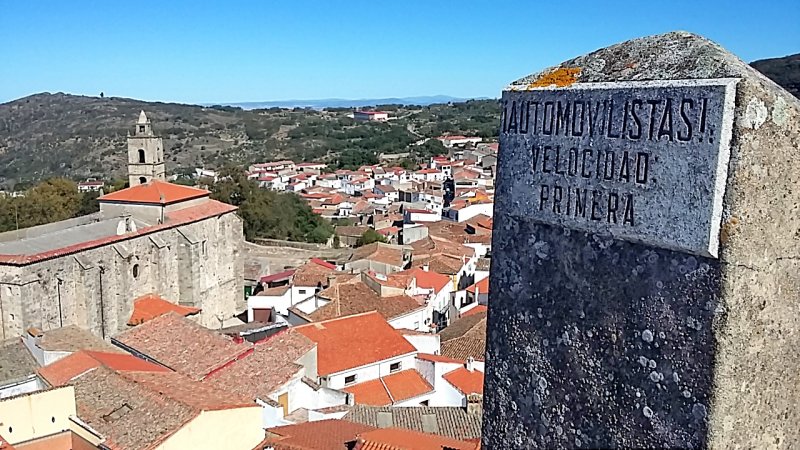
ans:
x=141 y=156
x=142 y=180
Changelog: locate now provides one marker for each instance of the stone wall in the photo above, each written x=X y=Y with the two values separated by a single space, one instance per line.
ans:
x=596 y=341
x=95 y=288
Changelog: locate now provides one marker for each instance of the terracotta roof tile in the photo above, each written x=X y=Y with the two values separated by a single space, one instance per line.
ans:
x=355 y=297
x=396 y=387
x=280 y=276
x=481 y=286
x=400 y=439
x=476 y=310
x=465 y=338
x=354 y=341
x=466 y=381
x=72 y=338
x=151 y=306
x=64 y=370
x=426 y=279
x=182 y=345
x=380 y=252
x=452 y=422
x=16 y=361
x=155 y=192
x=331 y=434
x=313 y=273
x=272 y=364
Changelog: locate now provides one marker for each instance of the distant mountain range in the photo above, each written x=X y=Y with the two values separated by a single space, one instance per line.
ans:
x=346 y=103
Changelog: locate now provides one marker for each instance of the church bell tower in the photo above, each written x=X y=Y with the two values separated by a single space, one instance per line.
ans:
x=145 y=154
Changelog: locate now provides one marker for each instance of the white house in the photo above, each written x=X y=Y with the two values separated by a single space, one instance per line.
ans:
x=363 y=355
x=464 y=213
x=453 y=380
x=412 y=215
x=458 y=141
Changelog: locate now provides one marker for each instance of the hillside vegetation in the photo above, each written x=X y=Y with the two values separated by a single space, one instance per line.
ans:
x=784 y=71
x=47 y=135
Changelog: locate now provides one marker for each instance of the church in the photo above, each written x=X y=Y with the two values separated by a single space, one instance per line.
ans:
x=153 y=237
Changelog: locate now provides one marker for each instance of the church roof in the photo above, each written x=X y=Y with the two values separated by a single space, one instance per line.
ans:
x=67 y=237
x=143 y=117
x=155 y=192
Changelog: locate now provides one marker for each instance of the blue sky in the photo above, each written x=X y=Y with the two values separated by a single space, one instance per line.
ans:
x=196 y=51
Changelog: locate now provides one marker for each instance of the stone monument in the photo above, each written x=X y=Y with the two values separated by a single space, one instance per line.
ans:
x=646 y=254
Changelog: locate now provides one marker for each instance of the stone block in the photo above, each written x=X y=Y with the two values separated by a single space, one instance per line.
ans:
x=676 y=328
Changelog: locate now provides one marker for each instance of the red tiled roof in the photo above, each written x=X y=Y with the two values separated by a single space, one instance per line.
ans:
x=273 y=363
x=286 y=274
x=481 y=286
x=466 y=381
x=178 y=218
x=390 y=389
x=66 y=369
x=331 y=434
x=402 y=439
x=155 y=192
x=476 y=310
x=427 y=279
x=438 y=358
x=354 y=341
x=313 y=273
x=151 y=306
x=183 y=345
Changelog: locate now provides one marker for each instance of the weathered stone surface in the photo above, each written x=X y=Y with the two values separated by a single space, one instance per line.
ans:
x=600 y=342
x=642 y=161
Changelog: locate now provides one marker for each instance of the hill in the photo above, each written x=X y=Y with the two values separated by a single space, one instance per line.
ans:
x=348 y=103
x=46 y=135
x=784 y=71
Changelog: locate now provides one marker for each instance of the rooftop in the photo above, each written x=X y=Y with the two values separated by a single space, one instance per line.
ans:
x=332 y=434
x=16 y=361
x=354 y=341
x=388 y=390
x=355 y=297
x=426 y=279
x=280 y=276
x=313 y=273
x=466 y=381
x=403 y=439
x=272 y=364
x=155 y=192
x=71 y=338
x=453 y=422
x=70 y=236
x=151 y=306
x=380 y=252
x=182 y=345
x=68 y=368
x=137 y=410
x=465 y=338
x=61 y=234
x=481 y=287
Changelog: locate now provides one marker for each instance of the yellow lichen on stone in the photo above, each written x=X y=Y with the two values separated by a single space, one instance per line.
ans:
x=561 y=77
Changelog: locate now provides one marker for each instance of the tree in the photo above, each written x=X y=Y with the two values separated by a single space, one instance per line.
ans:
x=268 y=214
x=369 y=237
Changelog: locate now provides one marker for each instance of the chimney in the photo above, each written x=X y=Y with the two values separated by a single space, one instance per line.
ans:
x=425 y=267
x=470 y=364
x=475 y=404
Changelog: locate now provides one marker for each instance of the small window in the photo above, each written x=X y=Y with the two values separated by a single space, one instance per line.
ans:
x=349 y=379
x=142 y=180
x=135 y=271
x=302 y=291
x=141 y=156
x=395 y=367
x=141 y=128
